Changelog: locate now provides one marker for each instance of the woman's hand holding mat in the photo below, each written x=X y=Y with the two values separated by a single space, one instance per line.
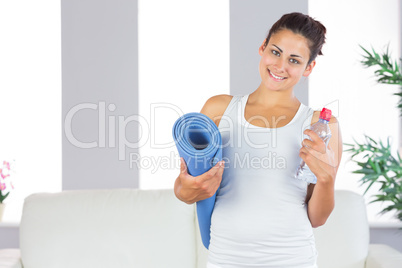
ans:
x=199 y=143
x=191 y=189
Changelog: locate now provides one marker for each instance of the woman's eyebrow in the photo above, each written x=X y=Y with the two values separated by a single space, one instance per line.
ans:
x=293 y=55
x=278 y=48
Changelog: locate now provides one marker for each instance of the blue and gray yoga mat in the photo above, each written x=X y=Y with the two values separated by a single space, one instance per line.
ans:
x=199 y=142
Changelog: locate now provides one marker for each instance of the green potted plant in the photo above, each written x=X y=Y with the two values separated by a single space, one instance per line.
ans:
x=375 y=160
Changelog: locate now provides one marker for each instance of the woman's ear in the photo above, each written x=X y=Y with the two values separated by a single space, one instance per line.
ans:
x=262 y=48
x=309 y=69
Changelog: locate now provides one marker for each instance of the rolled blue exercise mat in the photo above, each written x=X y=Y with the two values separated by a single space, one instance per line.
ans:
x=199 y=142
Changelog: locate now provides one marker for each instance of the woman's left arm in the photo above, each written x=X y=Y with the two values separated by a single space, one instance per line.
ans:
x=324 y=163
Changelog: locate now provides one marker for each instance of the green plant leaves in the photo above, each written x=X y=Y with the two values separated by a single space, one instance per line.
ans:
x=2 y=197
x=379 y=166
x=376 y=163
x=388 y=71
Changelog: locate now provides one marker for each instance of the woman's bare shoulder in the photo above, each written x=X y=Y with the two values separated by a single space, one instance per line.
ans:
x=215 y=106
x=316 y=117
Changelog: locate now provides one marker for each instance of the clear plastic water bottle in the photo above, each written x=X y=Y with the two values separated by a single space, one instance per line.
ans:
x=324 y=132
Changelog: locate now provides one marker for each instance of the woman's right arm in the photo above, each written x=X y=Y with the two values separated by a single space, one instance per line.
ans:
x=191 y=189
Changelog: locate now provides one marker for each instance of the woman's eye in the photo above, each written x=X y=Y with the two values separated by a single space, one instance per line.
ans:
x=294 y=61
x=276 y=53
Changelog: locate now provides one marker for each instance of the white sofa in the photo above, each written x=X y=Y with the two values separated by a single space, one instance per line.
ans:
x=150 y=228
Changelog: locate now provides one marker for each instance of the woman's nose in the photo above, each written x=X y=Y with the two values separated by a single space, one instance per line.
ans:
x=279 y=65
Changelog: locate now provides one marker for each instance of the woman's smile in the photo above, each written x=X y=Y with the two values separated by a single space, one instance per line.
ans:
x=276 y=77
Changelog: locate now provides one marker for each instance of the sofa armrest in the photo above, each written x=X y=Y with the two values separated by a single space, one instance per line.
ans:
x=383 y=256
x=10 y=258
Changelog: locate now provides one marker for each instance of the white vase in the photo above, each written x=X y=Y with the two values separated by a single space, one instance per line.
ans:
x=2 y=206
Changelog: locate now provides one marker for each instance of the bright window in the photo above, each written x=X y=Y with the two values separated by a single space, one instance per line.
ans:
x=30 y=100
x=183 y=60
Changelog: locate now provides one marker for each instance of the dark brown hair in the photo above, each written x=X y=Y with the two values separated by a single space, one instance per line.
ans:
x=304 y=25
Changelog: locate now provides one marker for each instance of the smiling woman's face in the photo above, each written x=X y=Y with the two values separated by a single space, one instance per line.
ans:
x=284 y=60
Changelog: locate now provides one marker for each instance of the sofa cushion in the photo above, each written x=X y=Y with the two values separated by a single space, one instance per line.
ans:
x=342 y=242
x=107 y=228
x=10 y=258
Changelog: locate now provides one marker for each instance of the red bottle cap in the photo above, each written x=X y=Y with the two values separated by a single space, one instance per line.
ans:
x=325 y=114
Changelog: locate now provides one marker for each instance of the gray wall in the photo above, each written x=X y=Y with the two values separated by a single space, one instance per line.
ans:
x=9 y=237
x=99 y=64
x=250 y=22
x=389 y=236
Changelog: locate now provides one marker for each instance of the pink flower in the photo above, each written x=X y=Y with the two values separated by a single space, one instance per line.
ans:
x=4 y=176
x=2 y=186
x=7 y=164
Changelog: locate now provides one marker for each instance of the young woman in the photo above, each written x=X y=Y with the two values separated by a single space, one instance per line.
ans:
x=263 y=216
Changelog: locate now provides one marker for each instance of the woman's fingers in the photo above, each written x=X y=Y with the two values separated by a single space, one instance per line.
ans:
x=183 y=166
x=215 y=173
x=215 y=180
x=320 y=152
x=314 y=136
x=220 y=172
x=206 y=184
x=317 y=145
x=193 y=189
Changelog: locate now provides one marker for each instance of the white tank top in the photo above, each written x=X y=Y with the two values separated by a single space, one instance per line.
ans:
x=260 y=216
